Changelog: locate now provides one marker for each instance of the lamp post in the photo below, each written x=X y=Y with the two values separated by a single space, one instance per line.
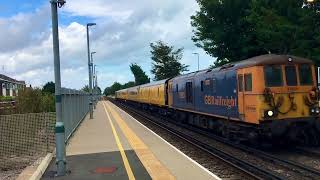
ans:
x=90 y=69
x=94 y=76
x=94 y=86
x=97 y=81
x=59 y=127
x=198 y=59
x=312 y=4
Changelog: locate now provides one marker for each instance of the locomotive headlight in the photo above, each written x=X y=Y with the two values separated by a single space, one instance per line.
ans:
x=315 y=111
x=270 y=113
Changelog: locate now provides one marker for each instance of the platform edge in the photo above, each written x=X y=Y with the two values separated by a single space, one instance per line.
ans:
x=176 y=149
x=37 y=174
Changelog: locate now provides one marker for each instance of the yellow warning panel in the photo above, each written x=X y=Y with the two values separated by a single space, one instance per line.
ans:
x=154 y=167
x=120 y=147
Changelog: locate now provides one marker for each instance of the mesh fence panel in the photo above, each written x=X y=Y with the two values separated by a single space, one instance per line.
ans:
x=27 y=136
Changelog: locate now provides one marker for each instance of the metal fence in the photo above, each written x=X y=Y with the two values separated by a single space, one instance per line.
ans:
x=27 y=136
x=75 y=106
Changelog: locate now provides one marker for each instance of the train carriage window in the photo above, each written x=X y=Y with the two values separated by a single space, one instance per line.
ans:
x=210 y=85
x=207 y=82
x=305 y=74
x=201 y=86
x=240 y=83
x=273 y=76
x=248 y=82
x=291 y=75
x=214 y=85
x=189 y=96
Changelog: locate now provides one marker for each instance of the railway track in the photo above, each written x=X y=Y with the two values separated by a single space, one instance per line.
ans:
x=294 y=165
x=310 y=151
x=243 y=165
x=297 y=166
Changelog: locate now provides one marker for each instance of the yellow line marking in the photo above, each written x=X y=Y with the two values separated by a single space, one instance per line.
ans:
x=123 y=154
x=154 y=167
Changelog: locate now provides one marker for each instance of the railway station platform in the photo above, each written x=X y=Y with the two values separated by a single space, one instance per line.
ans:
x=114 y=145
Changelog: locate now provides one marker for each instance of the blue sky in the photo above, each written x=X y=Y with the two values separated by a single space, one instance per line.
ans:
x=122 y=36
x=12 y=7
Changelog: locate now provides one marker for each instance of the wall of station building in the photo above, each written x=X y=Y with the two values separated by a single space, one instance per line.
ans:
x=10 y=88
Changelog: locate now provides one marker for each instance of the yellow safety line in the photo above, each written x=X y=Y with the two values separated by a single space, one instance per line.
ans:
x=154 y=167
x=123 y=154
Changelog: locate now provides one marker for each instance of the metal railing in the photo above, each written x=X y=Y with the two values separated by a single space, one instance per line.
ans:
x=95 y=99
x=75 y=106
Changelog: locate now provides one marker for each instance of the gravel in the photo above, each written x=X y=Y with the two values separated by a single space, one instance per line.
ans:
x=12 y=166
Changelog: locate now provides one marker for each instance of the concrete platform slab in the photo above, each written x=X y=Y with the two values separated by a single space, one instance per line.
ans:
x=104 y=165
x=114 y=145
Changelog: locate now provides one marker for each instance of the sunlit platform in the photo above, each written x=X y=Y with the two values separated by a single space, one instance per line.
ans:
x=114 y=145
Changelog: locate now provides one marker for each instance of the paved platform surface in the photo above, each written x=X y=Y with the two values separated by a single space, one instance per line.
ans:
x=114 y=145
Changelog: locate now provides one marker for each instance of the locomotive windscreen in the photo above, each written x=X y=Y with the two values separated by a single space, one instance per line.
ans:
x=273 y=76
x=305 y=74
x=291 y=75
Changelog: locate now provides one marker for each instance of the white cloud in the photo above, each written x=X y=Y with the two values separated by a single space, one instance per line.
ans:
x=123 y=33
x=23 y=29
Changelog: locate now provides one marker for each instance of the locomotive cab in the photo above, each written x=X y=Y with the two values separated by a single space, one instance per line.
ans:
x=281 y=96
x=289 y=92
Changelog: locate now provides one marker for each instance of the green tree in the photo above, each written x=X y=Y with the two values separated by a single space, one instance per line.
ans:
x=112 y=89
x=99 y=90
x=107 y=91
x=49 y=88
x=139 y=75
x=283 y=27
x=129 y=84
x=166 y=61
x=232 y=30
x=86 y=89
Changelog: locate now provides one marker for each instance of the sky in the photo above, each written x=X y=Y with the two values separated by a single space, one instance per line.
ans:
x=124 y=31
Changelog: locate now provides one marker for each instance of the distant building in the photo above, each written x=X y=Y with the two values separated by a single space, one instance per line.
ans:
x=10 y=86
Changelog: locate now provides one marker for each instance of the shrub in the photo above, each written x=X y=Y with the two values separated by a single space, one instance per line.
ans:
x=34 y=101
x=6 y=98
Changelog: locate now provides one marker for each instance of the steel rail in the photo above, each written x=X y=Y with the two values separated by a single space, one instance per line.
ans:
x=246 y=167
x=257 y=152
x=310 y=151
x=251 y=150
